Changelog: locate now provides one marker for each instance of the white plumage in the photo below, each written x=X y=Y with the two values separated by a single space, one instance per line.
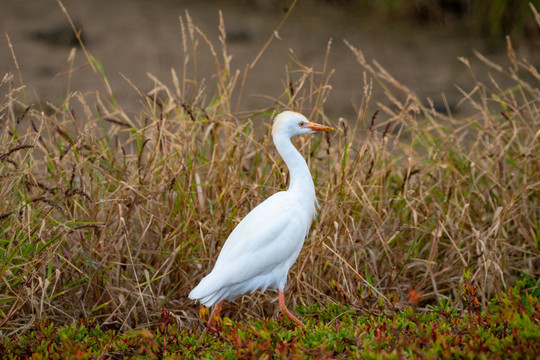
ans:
x=262 y=248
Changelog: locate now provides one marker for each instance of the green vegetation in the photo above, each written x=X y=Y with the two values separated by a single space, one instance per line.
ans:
x=510 y=328
x=486 y=18
x=110 y=218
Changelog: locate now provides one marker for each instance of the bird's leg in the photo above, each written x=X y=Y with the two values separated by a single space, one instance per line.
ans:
x=286 y=311
x=211 y=322
x=215 y=313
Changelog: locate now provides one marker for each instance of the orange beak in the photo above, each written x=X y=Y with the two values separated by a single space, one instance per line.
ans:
x=319 y=127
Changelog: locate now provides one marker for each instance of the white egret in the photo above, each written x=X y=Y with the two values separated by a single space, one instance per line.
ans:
x=262 y=248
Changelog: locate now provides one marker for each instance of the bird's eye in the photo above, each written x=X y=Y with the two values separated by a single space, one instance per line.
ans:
x=302 y=123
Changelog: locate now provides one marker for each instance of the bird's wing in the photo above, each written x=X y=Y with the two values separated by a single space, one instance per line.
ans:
x=263 y=225
x=266 y=238
x=239 y=266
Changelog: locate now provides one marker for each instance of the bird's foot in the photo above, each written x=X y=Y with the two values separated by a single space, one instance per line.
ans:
x=294 y=319
x=211 y=329
x=214 y=319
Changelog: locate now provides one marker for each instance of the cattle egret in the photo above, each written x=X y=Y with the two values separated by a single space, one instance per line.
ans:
x=262 y=248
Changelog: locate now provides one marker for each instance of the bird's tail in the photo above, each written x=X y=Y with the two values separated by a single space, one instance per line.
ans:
x=205 y=294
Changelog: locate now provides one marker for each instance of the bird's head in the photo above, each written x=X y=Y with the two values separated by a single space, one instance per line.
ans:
x=291 y=123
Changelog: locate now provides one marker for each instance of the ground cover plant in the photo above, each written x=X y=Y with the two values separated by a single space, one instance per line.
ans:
x=509 y=329
x=109 y=218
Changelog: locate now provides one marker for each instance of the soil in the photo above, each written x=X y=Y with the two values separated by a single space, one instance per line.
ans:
x=133 y=38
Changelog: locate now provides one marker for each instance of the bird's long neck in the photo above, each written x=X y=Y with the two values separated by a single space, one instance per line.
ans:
x=301 y=181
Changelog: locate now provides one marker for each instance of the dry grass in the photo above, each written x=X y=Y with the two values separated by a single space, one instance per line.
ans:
x=113 y=217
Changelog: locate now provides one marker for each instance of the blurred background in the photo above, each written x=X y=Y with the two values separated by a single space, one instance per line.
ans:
x=417 y=41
